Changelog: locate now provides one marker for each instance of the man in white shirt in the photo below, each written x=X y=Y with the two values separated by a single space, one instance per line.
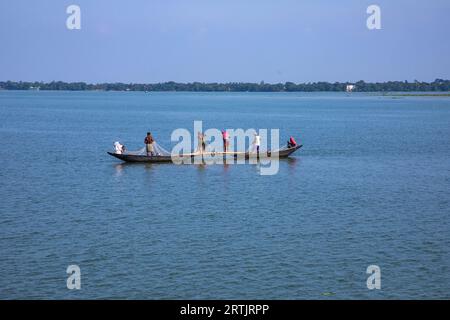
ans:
x=118 y=147
x=256 y=143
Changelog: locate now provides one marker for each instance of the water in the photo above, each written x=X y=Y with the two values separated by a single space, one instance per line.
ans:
x=370 y=186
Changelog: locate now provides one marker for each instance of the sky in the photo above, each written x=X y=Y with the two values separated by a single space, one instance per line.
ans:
x=149 y=41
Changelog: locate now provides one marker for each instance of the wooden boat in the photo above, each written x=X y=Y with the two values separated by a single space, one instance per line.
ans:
x=283 y=153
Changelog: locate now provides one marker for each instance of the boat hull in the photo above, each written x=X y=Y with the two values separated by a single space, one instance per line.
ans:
x=165 y=159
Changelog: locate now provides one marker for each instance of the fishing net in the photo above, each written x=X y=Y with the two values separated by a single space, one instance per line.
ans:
x=252 y=149
x=160 y=151
x=157 y=150
x=140 y=152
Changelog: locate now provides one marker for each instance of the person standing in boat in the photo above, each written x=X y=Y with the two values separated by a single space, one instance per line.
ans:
x=256 y=143
x=149 y=144
x=201 y=142
x=226 y=140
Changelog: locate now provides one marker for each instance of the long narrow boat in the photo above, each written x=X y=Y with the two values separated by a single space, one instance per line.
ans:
x=283 y=153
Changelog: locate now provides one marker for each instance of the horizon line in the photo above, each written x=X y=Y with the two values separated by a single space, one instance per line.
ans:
x=225 y=82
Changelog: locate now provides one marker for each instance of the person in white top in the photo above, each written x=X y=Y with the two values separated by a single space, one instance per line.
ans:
x=119 y=147
x=256 y=143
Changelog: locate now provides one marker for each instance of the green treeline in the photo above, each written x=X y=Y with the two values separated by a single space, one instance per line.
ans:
x=360 y=86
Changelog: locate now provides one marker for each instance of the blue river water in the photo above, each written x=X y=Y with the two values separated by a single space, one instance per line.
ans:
x=369 y=187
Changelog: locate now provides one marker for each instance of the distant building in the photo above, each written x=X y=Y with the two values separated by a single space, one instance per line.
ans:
x=350 y=87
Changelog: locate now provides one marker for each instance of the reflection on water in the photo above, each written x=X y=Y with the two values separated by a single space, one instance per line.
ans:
x=119 y=169
x=293 y=162
x=202 y=165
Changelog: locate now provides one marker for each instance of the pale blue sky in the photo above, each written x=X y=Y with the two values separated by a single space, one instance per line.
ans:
x=224 y=40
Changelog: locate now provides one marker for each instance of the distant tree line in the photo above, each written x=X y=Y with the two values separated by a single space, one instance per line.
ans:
x=361 y=86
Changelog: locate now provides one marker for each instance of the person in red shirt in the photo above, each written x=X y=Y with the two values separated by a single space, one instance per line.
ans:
x=291 y=143
x=226 y=140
